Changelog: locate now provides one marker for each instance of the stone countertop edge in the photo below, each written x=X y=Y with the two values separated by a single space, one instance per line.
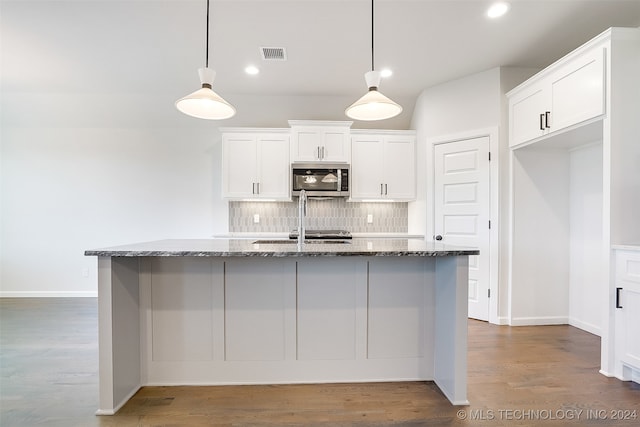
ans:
x=282 y=235
x=245 y=248
x=627 y=247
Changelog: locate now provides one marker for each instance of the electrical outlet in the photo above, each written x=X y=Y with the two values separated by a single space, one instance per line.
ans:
x=369 y=218
x=256 y=218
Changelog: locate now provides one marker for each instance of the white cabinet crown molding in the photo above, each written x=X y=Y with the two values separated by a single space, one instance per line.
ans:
x=343 y=123
x=383 y=132
x=253 y=130
x=614 y=33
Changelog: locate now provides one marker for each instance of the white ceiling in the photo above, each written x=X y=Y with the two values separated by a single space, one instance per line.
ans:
x=154 y=47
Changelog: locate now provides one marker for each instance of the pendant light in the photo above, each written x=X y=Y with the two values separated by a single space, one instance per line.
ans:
x=204 y=103
x=373 y=105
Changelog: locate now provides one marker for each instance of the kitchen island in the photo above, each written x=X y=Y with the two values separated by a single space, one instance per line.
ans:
x=225 y=311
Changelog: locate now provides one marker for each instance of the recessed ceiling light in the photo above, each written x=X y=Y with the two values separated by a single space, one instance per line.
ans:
x=498 y=9
x=386 y=73
x=252 y=70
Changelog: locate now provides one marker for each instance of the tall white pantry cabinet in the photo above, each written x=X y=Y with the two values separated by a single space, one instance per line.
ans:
x=574 y=134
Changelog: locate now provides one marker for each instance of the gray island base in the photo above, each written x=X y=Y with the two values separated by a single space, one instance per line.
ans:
x=219 y=312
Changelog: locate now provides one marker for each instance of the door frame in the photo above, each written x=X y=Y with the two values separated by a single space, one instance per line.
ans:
x=494 y=206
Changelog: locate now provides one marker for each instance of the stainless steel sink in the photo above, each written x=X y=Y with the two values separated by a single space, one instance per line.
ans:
x=310 y=241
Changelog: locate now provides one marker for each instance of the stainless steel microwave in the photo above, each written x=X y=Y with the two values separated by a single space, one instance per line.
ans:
x=320 y=179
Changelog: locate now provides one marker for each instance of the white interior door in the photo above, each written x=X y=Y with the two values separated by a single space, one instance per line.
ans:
x=462 y=210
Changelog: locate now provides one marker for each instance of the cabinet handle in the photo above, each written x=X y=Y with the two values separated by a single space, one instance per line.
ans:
x=547 y=119
x=618 y=297
x=258 y=188
x=541 y=121
x=322 y=153
x=319 y=153
x=385 y=190
x=253 y=188
x=381 y=189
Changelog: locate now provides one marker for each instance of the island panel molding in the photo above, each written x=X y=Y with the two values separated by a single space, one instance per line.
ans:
x=216 y=312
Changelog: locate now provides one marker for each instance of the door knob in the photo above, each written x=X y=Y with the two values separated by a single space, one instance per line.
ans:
x=438 y=237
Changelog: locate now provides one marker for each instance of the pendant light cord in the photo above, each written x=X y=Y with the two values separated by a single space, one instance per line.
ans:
x=372 y=62
x=207 y=42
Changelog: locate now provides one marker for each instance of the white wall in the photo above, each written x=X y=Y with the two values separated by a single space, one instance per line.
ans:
x=80 y=171
x=67 y=190
x=541 y=207
x=472 y=103
x=587 y=277
x=558 y=271
x=461 y=105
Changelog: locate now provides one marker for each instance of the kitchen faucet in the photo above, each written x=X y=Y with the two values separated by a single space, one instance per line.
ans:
x=302 y=213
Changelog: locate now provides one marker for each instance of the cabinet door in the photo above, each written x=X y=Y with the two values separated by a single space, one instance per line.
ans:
x=525 y=108
x=274 y=167
x=631 y=316
x=628 y=331
x=239 y=165
x=367 y=167
x=577 y=90
x=320 y=144
x=400 y=167
x=335 y=145
x=306 y=144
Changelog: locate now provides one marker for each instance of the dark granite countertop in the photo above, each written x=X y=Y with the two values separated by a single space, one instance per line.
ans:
x=282 y=248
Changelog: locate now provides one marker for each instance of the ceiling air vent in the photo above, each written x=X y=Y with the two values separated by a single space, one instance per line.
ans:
x=273 y=53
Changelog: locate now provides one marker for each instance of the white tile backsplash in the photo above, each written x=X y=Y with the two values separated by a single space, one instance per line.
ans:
x=276 y=217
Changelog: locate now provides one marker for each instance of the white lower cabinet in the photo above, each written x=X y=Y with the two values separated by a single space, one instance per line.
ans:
x=627 y=315
x=255 y=165
x=383 y=165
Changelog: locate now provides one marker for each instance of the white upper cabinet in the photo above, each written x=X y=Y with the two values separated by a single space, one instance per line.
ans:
x=313 y=141
x=567 y=93
x=383 y=165
x=255 y=164
x=577 y=90
x=526 y=114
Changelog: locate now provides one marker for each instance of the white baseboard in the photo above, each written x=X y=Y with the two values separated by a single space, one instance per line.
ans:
x=595 y=330
x=121 y=404
x=539 y=321
x=502 y=321
x=607 y=374
x=48 y=294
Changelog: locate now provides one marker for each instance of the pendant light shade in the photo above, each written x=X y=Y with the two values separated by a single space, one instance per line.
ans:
x=204 y=103
x=373 y=105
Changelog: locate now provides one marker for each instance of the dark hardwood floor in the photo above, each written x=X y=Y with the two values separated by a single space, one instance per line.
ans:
x=525 y=376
